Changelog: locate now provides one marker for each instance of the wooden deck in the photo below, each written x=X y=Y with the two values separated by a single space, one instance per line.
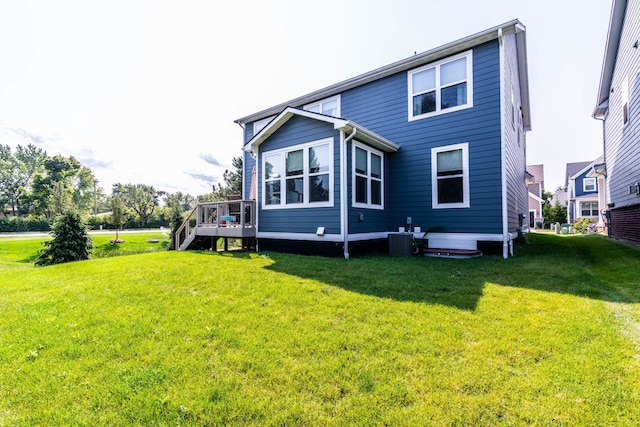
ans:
x=208 y=222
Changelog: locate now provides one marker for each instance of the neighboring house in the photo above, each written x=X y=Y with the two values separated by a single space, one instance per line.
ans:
x=582 y=192
x=535 y=187
x=617 y=106
x=435 y=141
x=560 y=197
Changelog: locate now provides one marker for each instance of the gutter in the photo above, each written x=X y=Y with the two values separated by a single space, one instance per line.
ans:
x=506 y=238
x=344 y=205
x=411 y=62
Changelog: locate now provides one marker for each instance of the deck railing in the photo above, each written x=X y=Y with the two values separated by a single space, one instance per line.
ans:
x=233 y=218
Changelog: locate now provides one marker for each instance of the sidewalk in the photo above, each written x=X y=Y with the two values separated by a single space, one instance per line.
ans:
x=45 y=234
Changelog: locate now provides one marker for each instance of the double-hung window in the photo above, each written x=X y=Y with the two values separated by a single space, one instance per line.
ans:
x=450 y=176
x=260 y=124
x=589 y=184
x=589 y=209
x=368 y=177
x=329 y=106
x=300 y=176
x=441 y=87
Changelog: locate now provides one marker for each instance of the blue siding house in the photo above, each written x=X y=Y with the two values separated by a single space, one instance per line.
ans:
x=584 y=199
x=617 y=106
x=434 y=143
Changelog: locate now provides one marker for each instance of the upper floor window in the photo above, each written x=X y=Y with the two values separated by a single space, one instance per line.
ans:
x=260 y=124
x=441 y=87
x=329 y=106
x=368 y=177
x=589 y=184
x=450 y=176
x=300 y=176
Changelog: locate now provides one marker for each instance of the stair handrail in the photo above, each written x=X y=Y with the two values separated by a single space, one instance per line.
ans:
x=184 y=227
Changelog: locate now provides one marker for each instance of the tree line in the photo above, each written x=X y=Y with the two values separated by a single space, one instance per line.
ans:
x=38 y=187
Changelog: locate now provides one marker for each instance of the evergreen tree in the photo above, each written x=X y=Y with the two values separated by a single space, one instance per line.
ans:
x=70 y=242
x=233 y=179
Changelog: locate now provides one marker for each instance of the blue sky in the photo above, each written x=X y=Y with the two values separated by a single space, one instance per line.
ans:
x=145 y=91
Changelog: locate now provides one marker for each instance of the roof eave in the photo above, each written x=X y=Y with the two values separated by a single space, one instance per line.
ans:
x=614 y=33
x=523 y=74
x=362 y=134
x=414 y=61
x=369 y=137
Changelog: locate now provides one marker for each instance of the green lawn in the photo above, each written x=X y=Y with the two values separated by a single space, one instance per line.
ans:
x=549 y=337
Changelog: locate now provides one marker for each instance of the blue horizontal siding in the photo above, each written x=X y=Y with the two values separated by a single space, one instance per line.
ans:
x=382 y=106
x=579 y=186
x=301 y=130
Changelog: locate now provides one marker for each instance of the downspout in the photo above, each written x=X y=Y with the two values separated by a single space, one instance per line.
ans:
x=344 y=193
x=503 y=153
x=606 y=181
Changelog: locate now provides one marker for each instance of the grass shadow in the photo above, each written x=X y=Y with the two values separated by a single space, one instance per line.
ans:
x=431 y=281
x=586 y=266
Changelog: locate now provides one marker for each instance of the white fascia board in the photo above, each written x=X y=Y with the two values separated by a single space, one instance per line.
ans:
x=533 y=196
x=616 y=22
x=581 y=171
x=368 y=137
x=523 y=76
x=281 y=119
x=406 y=64
x=362 y=133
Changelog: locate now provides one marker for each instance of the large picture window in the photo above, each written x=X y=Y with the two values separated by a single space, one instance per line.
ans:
x=441 y=87
x=300 y=176
x=450 y=176
x=368 y=177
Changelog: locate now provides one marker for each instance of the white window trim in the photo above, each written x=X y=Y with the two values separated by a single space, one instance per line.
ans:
x=369 y=150
x=590 y=203
x=465 y=176
x=469 y=55
x=323 y=101
x=306 y=204
x=260 y=124
x=584 y=184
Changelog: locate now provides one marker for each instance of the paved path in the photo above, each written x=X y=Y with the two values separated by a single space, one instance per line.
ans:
x=40 y=234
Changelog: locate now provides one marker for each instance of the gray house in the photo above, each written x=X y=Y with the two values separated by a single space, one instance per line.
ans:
x=535 y=187
x=617 y=106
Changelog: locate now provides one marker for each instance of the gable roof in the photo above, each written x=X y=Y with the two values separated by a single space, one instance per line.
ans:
x=537 y=171
x=361 y=133
x=574 y=169
x=616 y=22
x=511 y=27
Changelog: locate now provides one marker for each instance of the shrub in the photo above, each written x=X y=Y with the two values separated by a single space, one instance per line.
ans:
x=70 y=241
x=23 y=225
x=582 y=225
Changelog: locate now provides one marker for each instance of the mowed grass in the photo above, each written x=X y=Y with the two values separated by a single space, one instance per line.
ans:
x=549 y=337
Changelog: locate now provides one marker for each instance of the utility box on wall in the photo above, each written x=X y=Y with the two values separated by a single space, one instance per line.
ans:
x=400 y=244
